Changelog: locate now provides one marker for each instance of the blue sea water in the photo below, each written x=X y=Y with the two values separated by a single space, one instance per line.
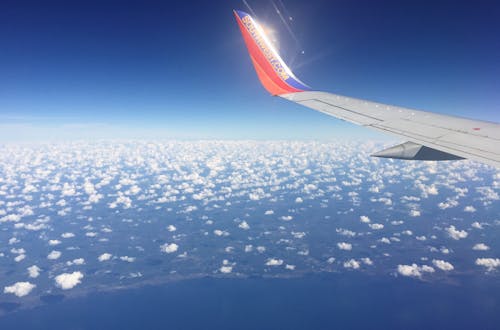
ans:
x=328 y=301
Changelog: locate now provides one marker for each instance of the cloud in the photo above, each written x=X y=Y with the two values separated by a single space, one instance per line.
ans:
x=79 y=261
x=218 y=232
x=415 y=213
x=104 y=257
x=470 y=209
x=54 y=242
x=20 y=289
x=226 y=269
x=299 y=234
x=443 y=265
x=456 y=234
x=14 y=240
x=169 y=248
x=477 y=225
x=20 y=258
x=364 y=219
x=127 y=259
x=481 y=247
x=171 y=228
x=344 y=246
x=274 y=262
x=367 y=261
x=489 y=263
x=54 y=255
x=67 y=235
x=34 y=271
x=261 y=249
x=414 y=270
x=352 y=263
x=68 y=281
x=244 y=225
x=376 y=226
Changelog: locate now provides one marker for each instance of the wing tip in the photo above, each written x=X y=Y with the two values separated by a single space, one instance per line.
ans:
x=271 y=70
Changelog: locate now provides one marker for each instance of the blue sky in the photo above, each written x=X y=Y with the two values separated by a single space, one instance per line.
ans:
x=149 y=69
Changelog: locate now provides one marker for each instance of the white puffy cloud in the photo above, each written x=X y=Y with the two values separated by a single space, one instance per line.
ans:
x=384 y=240
x=20 y=289
x=169 y=248
x=415 y=213
x=226 y=269
x=344 y=246
x=34 y=271
x=13 y=240
x=218 y=232
x=127 y=259
x=20 y=258
x=104 y=257
x=261 y=249
x=68 y=281
x=244 y=225
x=443 y=265
x=470 y=209
x=54 y=242
x=274 y=262
x=414 y=270
x=54 y=255
x=376 y=226
x=364 y=219
x=352 y=263
x=489 y=263
x=481 y=247
x=477 y=225
x=78 y=262
x=367 y=261
x=67 y=235
x=299 y=234
x=455 y=233
x=171 y=228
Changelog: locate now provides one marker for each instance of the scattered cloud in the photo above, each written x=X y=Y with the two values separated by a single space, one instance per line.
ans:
x=414 y=270
x=20 y=289
x=34 y=271
x=169 y=248
x=105 y=257
x=344 y=246
x=455 y=233
x=68 y=281
x=443 y=265
x=481 y=247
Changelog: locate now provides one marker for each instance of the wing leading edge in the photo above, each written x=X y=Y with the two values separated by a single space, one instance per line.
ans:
x=429 y=136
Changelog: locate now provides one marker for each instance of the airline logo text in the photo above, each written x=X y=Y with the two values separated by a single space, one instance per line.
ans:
x=275 y=63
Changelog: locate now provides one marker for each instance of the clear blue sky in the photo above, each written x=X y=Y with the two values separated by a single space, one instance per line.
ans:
x=146 y=69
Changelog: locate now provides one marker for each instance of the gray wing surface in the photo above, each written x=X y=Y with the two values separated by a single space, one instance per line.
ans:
x=452 y=137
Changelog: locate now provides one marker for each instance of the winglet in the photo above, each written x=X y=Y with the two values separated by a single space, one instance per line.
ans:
x=273 y=73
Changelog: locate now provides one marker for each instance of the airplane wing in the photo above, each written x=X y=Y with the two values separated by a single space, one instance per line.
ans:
x=428 y=136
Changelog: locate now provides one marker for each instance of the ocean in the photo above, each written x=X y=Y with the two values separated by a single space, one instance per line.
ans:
x=321 y=301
